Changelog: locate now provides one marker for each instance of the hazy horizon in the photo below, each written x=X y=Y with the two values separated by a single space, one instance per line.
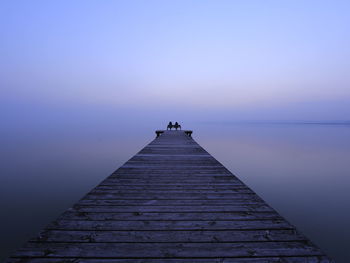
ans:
x=199 y=59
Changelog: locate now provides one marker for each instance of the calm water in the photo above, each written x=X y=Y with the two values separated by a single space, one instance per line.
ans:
x=300 y=170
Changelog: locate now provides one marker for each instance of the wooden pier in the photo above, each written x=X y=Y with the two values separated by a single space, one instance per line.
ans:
x=171 y=202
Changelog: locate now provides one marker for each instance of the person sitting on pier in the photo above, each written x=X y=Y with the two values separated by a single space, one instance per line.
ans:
x=170 y=126
x=177 y=126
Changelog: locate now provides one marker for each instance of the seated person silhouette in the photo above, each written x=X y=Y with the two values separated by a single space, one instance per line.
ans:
x=177 y=126
x=170 y=126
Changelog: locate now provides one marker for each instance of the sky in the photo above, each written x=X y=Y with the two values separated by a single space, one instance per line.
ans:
x=205 y=60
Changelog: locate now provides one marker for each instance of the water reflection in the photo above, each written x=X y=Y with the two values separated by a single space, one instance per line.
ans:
x=301 y=170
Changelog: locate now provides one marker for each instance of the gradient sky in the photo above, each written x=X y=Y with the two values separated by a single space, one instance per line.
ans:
x=288 y=59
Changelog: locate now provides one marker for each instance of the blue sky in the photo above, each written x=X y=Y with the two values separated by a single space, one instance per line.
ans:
x=235 y=59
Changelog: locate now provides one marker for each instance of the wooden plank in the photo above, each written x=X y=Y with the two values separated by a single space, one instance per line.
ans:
x=168 y=187
x=174 y=170
x=208 y=178
x=168 y=250
x=172 y=156
x=173 y=179
x=141 y=195
x=171 y=192
x=169 y=225
x=183 y=209
x=183 y=174
x=201 y=177
x=279 y=259
x=179 y=236
x=179 y=169
x=174 y=184
x=170 y=202
x=184 y=167
x=73 y=214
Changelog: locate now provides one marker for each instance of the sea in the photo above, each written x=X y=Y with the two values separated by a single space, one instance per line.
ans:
x=300 y=168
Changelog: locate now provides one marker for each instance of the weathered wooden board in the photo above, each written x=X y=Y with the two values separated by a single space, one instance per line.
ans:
x=173 y=192
x=73 y=214
x=279 y=259
x=168 y=250
x=174 y=180
x=186 y=209
x=169 y=225
x=178 y=236
x=168 y=187
x=171 y=202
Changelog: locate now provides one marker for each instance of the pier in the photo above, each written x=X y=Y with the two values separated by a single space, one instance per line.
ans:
x=171 y=202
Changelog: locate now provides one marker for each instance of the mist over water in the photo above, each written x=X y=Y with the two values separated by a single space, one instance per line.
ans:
x=264 y=86
x=301 y=170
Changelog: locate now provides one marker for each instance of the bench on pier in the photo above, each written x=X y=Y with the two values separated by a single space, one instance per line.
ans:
x=160 y=132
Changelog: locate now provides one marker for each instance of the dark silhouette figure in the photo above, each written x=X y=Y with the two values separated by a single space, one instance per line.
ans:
x=177 y=126
x=170 y=126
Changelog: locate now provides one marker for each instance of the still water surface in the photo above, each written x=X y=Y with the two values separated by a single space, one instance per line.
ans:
x=302 y=170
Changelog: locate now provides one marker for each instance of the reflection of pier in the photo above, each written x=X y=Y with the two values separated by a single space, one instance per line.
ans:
x=171 y=202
